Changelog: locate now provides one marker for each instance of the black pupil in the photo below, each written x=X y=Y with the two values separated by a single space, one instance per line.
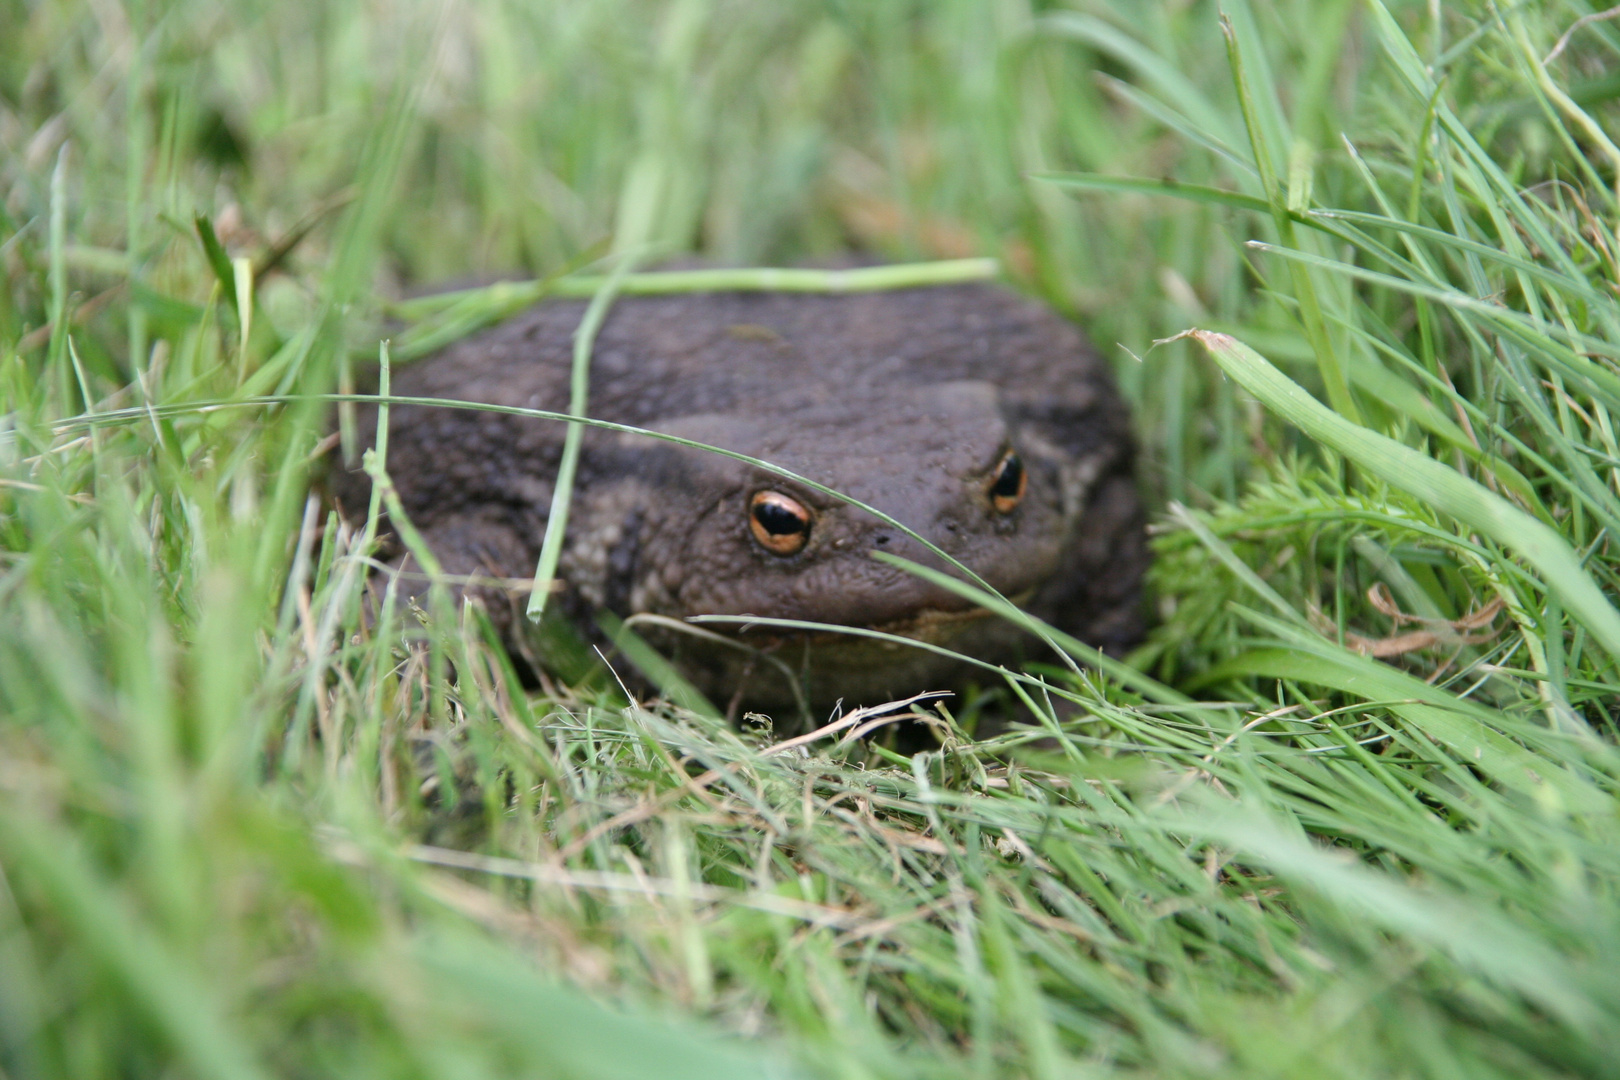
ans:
x=1009 y=479
x=778 y=520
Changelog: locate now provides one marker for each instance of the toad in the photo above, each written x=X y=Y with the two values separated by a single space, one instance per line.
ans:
x=981 y=420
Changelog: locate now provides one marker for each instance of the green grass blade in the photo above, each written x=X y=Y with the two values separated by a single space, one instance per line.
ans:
x=178 y=1001
x=562 y=493
x=509 y=295
x=1198 y=193
x=1162 y=73
x=1294 y=200
x=573 y=1036
x=1427 y=479
x=1477 y=936
x=1461 y=726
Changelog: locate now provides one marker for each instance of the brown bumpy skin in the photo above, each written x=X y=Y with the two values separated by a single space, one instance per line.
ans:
x=908 y=401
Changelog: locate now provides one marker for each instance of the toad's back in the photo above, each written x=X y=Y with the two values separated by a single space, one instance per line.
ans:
x=980 y=420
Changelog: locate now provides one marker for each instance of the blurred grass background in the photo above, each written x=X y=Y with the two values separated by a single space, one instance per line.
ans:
x=1360 y=821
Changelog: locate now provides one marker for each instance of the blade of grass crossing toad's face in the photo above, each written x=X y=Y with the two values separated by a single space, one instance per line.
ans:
x=557 y=520
x=1422 y=476
x=384 y=389
x=1065 y=645
x=89 y=422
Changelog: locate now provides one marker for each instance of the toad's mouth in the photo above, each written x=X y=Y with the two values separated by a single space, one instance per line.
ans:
x=928 y=626
x=777 y=662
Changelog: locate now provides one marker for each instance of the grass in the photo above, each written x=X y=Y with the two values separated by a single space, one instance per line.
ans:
x=1351 y=812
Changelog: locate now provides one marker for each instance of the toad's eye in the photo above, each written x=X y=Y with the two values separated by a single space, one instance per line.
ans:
x=1008 y=484
x=780 y=524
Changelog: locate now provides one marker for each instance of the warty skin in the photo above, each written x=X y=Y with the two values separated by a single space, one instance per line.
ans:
x=981 y=420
